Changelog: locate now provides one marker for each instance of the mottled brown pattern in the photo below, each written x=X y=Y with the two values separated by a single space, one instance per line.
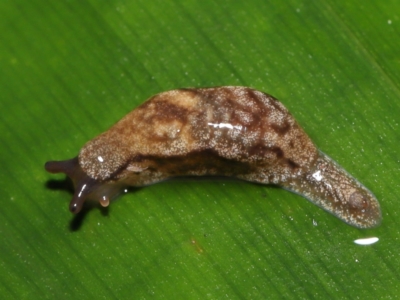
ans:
x=229 y=131
x=292 y=164
x=281 y=129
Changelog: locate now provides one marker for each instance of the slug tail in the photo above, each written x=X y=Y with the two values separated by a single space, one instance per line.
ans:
x=329 y=186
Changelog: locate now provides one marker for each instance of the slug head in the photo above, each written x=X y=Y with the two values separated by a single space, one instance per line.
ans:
x=86 y=187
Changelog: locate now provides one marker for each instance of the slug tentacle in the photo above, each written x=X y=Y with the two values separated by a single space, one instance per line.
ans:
x=228 y=131
x=85 y=186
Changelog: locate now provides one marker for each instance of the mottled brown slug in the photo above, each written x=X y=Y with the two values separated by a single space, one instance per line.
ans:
x=228 y=131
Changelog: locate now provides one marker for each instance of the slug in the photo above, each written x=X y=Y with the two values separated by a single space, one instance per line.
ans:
x=226 y=131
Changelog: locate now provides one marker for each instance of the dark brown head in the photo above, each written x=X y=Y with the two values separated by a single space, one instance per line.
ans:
x=86 y=187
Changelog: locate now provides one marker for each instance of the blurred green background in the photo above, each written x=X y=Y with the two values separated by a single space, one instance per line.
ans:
x=70 y=69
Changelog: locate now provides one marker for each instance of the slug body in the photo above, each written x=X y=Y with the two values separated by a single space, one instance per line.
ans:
x=228 y=131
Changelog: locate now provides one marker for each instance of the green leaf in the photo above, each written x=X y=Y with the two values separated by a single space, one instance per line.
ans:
x=70 y=69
